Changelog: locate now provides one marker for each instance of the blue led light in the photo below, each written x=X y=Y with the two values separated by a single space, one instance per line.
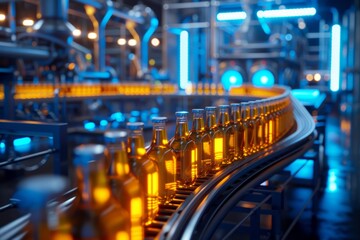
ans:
x=118 y=116
x=104 y=123
x=2 y=145
x=335 y=58
x=282 y=13
x=229 y=16
x=21 y=141
x=231 y=78
x=184 y=59
x=263 y=78
x=89 y=126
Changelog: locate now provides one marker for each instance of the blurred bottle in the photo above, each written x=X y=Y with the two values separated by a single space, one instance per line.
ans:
x=33 y=195
x=202 y=141
x=145 y=170
x=124 y=185
x=271 y=120
x=248 y=125
x=160 y=152
x=261 y=127
x=185 y=150
x=94 y=214
x=228 y=132
x=238 y=130
x=257 y=125
x=216 y=137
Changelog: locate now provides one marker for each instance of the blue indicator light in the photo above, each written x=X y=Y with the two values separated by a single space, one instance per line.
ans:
x=104 y=123
x=263 y=78
x=89 y=126
x=231 y=78
x=21 y=141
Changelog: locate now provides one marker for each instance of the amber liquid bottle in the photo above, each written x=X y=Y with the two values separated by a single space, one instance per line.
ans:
x=161 y=153
x=257 y=125
x=185 y=150
x=248 y=124
x=202 y=141
x=125 y=186
x=261 y=128
x=94 y=214
x=216 y=137
x=145 y=170
x=228 y=132
x=239 y=130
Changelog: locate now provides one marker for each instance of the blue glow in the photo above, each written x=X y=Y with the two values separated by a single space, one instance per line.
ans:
x=229 y=16
x=104 y=123
x=89 y=126
x=332 y=181
x=305 y=94
x=184 y=59
x=305 y=166
x=21 y=141
x=117 y=116
x=132 y=119
x=335 y=58
x=282 y=13
x=2 y=145
x=263 y=78
x=231 y=78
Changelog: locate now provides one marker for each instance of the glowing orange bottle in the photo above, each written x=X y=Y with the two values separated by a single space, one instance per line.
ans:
x=239 y=130
x=216 y=137
x=203 y=142
x=248 y=124
x=145 y=170
x=185 y=150
x=125 y=186
x=94 y=214
x=228 y=131
x=161 y=153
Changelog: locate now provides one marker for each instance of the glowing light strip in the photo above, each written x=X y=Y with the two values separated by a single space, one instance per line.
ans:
x=280 y=13
x=335 y=58
x=184 y=59
x=228 y=16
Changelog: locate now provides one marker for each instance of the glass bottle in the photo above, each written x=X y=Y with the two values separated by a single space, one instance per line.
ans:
x=125 y=186
x=257 y=126
x=239 y=130
x=216 y=137
x=271 y=124
x=227 y=130
x=248 y=124
x=202 y=141
x=33 y=194
x=145 y=170
x=261 y=129
x=185 y=150
x=160 y=152
x=94 y=214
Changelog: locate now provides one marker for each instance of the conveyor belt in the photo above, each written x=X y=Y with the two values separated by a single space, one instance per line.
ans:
x=196 y=212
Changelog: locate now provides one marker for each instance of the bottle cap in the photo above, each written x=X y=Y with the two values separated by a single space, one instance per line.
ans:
x=159 y=119
x=135 y=125
x=115 y=136
x=86 y=153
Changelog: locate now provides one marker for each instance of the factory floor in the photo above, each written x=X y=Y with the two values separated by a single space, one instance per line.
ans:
x=338 y=214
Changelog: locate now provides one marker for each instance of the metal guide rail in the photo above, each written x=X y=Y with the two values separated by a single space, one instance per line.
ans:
x=196 y=212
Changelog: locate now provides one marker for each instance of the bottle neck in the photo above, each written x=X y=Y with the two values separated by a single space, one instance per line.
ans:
x=223 y=119
x=93 y=189
x=236 y=115
x=136 y=145
x=198 y=125
x=159 y=137
x=210 y=121
x=182 y=129
x=119 y=165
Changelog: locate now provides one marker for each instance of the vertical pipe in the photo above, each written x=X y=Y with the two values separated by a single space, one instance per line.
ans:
x=102 y=38
x=54 y=9
x=12 y=19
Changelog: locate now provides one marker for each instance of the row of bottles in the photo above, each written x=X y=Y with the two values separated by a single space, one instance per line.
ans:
x=122 y=184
